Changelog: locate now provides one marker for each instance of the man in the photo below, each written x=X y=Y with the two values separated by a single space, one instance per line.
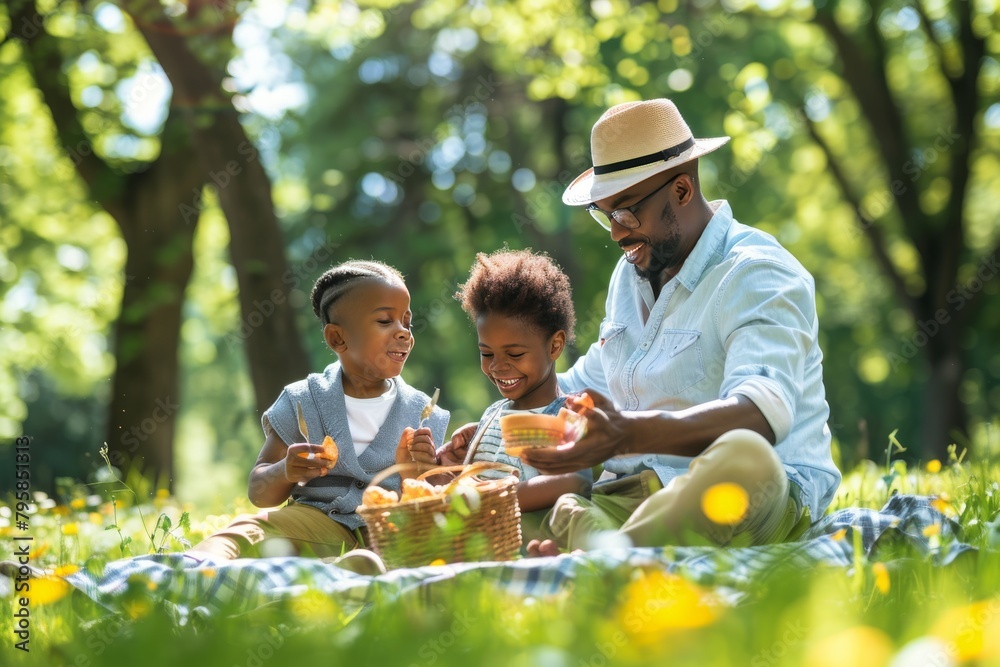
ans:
x=716 y=424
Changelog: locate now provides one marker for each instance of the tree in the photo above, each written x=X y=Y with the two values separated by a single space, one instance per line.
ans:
x=789 y=84
x=926 y=169
x=156 y=206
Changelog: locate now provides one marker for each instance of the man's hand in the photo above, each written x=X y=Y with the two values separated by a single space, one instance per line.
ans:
x=454 y=451
x=299 y=468
x=607 y=435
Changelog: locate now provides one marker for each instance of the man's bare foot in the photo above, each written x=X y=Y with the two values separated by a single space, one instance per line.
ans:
x=541 y=548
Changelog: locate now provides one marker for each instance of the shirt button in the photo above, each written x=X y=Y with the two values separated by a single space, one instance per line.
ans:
x=334 y=511
x=358 y=483
x=649 y=460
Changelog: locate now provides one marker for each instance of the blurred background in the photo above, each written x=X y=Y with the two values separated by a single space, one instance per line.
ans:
x=175 y=175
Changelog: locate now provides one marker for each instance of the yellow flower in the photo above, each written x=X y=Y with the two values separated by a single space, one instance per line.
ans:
x=860 y=646
x=881 y=573
x=933 y=466
x=46 y=590
x=973 y=630
x=66 y=570
x=163 y=494
x=60 y=510
x=658 y=603
x=78 y=503
x=70 y=528
x=208 y=572
x=725 y=504
x=137 y=608
x=839 y=535
x=931 y=530
x=438 y=561
x=95 y=518
x=941 y=504
x=315 y=607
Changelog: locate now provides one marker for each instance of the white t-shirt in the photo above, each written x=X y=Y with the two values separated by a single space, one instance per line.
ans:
x=366 y=416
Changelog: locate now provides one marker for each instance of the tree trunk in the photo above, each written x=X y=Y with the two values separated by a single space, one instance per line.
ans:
x=146 y=390
x=147 y=208
x=944 y=413
x=939 y=239
x=229 y=159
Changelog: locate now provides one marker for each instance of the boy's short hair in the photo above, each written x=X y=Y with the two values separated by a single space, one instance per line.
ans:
x=340 y=279
x=523 y=285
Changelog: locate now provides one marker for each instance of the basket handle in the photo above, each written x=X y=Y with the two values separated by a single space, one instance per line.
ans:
x=474 y=469
x=466 y=471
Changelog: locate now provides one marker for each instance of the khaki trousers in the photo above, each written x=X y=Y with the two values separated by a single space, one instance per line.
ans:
x=649 y=515
x=301 y=529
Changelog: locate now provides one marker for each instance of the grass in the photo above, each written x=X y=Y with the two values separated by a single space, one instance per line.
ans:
x=874 y=614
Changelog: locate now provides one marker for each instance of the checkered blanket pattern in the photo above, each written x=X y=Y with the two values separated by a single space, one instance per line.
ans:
x=238 y=586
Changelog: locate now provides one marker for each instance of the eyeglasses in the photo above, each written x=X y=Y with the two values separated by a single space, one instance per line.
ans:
x=626 y=217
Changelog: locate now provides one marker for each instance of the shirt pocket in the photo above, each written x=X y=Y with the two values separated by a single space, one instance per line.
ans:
x=678 y=363
x=612 y=347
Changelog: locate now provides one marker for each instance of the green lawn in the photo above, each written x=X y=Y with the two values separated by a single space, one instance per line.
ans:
x=903 y=611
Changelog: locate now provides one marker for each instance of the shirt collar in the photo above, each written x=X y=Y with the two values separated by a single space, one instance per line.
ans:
x=708 y=246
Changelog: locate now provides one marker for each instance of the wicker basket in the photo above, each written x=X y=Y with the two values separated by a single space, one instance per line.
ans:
x=467 y=523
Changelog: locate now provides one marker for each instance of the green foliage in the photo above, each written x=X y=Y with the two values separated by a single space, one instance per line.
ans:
x=439 y=129
x=624 y=616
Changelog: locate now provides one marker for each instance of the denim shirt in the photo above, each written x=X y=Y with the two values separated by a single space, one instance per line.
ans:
x=739 y=318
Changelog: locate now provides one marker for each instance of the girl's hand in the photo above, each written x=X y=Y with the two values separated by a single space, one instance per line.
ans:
x=454 y=451
x=416 y=445
x=299 y=468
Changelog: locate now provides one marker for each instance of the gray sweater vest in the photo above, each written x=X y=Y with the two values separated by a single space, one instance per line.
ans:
x=321 y=396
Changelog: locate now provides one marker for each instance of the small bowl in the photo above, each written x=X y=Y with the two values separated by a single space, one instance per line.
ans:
x=531 y=431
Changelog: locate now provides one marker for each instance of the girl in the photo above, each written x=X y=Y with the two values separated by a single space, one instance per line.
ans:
x=359 y=401
x=522 y=306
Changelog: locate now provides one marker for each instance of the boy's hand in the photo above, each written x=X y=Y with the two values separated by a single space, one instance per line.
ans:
x=453 y=452
x=299 y=468
x=416 y=445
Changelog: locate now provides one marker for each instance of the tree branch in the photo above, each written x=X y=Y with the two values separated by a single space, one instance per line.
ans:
x=870 y=86
x=925 y=22
x=977 y=299
x=43 y=58
x=867 y=225
x=965 y=95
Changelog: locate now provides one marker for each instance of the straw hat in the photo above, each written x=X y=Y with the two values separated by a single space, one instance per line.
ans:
x=630 y=143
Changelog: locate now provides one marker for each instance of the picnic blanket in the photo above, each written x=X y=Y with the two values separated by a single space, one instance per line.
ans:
x=237 y=586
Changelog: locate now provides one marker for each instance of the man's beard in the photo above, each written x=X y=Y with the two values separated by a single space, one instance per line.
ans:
x=664 y=254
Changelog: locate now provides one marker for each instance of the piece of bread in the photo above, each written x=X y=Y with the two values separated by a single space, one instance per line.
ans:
x=330 y=450
x=375 y=496
x=414 y=489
